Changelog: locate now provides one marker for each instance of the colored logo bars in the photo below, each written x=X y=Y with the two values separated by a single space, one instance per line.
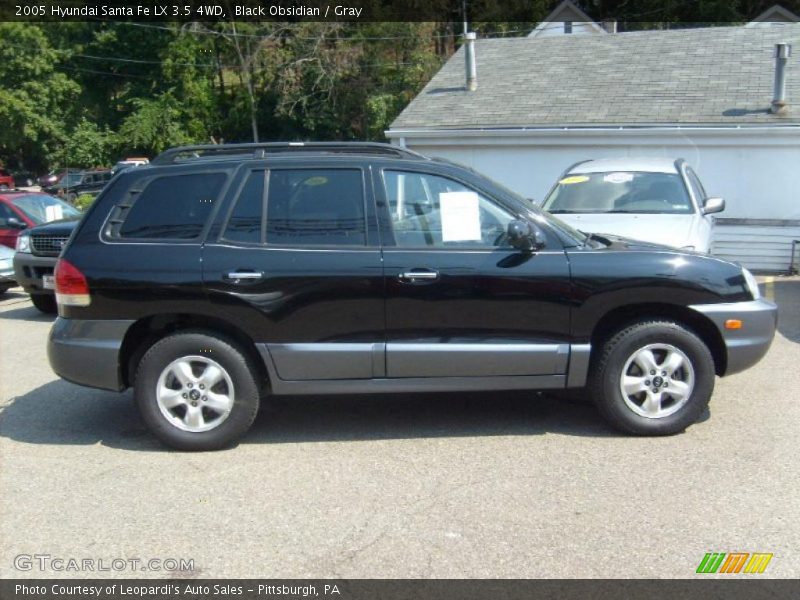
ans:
x=734 y=562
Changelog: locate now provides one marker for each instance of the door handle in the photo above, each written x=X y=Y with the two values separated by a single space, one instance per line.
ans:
x=236 y=276
x=418 y=276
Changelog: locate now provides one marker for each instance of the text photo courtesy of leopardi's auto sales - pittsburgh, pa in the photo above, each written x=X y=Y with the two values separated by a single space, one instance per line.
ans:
x=360 y=299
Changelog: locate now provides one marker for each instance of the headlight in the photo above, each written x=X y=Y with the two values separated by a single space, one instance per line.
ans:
x=751 y=284
x=24 y=243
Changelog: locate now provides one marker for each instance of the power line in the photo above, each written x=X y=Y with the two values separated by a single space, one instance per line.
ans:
x=151 y=62
x=108 y=73
x=359 y=39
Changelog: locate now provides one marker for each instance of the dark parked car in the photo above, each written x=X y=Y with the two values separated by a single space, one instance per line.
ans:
x=92 y=183
x=84 y=182
x=35 y=260
x=221 y=274
x=24 y=178
x=53 y=177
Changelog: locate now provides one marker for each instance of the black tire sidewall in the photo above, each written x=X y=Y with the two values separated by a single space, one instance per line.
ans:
x=612 y=402
x=219 y=349
x=45 y=303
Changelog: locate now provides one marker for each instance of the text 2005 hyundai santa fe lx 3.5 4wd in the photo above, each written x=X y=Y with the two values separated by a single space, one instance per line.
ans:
x=219 y=275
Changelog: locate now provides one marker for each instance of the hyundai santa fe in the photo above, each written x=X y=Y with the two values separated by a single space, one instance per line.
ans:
x=219 y=275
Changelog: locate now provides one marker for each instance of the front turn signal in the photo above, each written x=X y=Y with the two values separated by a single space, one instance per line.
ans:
x=733 y=324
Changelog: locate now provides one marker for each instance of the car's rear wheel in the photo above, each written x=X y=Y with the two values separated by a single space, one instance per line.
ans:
x=197 y=390
x=46 y=303
x=653 y=378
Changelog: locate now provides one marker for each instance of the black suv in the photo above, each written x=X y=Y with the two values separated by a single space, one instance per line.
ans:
x=220 y=274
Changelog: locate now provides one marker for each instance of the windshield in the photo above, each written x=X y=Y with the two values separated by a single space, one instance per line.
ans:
x=620 y=192
x=41 y=208
x=71 y=179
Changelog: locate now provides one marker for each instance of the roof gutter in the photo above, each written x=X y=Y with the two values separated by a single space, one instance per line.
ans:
x=643 y=129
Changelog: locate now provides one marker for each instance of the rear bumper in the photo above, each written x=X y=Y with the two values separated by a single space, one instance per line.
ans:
x=748 y=345
x=29 y=271
x=87 y=352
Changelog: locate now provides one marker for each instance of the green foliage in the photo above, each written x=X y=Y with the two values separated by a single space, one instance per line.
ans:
x=36 y=100
x=88 y=145
x=86 y=94
x=154 y=125
x=84 y=201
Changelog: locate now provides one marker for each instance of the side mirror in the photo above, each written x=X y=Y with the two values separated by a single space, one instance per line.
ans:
x=713 y=205
x=15 y=223
x=525 y=236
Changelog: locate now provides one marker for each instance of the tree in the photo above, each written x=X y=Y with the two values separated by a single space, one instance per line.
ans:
x=37 y=102
x=91 y=146
x=154 y=126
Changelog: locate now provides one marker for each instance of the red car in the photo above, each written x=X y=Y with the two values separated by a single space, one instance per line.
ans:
x=6 y=180
x=20 y=210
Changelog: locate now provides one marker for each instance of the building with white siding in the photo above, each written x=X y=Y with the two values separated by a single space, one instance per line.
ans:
x=706 y=95
x=567 y=19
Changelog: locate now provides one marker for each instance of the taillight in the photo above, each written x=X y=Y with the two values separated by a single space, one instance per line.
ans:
x=71 y=286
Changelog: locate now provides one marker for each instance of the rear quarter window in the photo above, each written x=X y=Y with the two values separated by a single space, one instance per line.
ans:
x=169 y=207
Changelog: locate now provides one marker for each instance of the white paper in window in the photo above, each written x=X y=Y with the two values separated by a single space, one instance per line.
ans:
x=53 y=212
x=461 y=217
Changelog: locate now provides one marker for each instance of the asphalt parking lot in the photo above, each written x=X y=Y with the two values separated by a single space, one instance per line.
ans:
x=445 y=486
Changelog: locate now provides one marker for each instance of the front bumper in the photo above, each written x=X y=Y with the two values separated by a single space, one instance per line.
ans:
x=748 y=345
x=6 y=271
x=29 y=271
x=87 y=352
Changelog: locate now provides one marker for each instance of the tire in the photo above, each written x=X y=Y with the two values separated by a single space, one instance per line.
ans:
x=46 y=303
x=682 y=395
x=166 y=393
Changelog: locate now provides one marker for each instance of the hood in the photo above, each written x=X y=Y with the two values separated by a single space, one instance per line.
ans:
x=61 y=227
x=668 y=230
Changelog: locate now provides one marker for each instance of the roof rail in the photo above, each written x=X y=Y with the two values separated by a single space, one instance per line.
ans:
x=262 y=150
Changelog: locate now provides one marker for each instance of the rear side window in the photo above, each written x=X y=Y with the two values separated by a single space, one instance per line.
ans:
x=316 y=207
x=172 y=207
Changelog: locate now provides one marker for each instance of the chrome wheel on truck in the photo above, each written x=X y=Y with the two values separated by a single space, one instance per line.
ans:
x=652 y=377
x=197 y=390
x=195 y=393
x=657 y=380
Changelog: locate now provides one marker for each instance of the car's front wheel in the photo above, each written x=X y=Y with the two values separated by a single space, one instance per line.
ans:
x=653 y=378
x=197 y=391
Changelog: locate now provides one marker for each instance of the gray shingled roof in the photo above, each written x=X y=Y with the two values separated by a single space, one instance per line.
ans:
x=720 y=75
